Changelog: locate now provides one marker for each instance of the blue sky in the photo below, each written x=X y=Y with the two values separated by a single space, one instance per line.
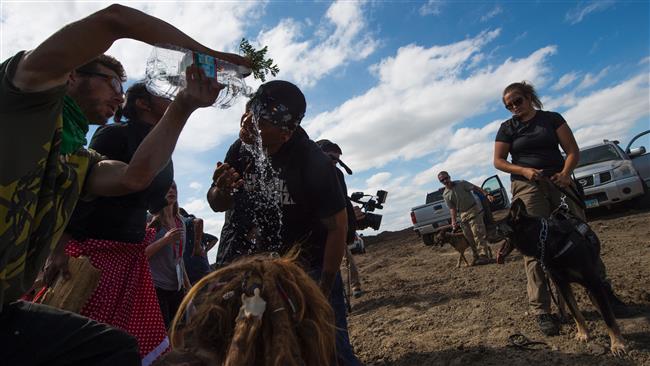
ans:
x=405 y=88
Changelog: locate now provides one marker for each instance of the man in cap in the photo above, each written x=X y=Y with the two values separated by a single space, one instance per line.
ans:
x=48 y=96
x=459 y=197
x=334 y=152
x=304 y=185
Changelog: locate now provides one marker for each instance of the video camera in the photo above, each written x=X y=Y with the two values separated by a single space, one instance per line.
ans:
x=374 y=202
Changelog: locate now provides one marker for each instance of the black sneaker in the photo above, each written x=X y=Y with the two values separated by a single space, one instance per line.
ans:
x=548 y=324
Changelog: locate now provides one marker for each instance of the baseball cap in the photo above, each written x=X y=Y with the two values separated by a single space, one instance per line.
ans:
x=279 y=102
x=329 y=146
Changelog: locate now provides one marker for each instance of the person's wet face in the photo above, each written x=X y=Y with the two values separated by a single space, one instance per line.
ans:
x=172 y=194
x=98 y=93
x=271 y=135
x=518 y=104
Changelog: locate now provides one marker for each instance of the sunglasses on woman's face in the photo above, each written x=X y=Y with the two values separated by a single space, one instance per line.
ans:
x=515 y=103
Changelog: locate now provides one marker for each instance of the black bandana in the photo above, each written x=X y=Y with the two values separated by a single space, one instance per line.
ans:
x=279 y=102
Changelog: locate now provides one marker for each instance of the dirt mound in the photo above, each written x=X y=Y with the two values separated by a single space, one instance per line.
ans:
x=419 y=309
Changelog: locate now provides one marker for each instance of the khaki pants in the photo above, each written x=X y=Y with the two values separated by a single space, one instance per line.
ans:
x=471 y=221
x=353 y=271
x=541 y=199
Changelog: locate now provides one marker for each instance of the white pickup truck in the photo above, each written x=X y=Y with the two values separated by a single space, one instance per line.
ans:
x=609 y=174
x=434 y=215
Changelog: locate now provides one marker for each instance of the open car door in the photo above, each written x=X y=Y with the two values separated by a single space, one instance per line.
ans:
x=493 y=186
x=640 y=156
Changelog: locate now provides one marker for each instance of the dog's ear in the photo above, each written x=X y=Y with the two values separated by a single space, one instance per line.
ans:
x=517 y=210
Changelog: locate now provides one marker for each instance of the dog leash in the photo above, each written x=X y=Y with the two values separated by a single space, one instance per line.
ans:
x=520 y=341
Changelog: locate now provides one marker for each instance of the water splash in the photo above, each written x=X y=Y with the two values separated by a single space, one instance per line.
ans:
x=264 y=191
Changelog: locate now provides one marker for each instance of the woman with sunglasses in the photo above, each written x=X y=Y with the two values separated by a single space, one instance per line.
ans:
x=540 y=176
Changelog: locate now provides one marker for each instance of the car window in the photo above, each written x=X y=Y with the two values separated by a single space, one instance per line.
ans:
x=598 y=154
x=435 y=196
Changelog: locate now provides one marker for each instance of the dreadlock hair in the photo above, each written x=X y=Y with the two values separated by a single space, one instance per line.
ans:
x=527 y=90
x=297 y=327
x=129 y=108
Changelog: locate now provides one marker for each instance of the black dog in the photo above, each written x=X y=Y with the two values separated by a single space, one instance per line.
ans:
x=569 y=251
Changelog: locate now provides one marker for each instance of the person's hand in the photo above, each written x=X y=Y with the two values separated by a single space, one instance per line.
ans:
x=232 y=58
x=173 y=235
x=532 y=174
x=201 y=91
x=561 y=180
x=358 y=214
x=454 y=226
x=56 y=264
x=490 y=197
x=226 y=178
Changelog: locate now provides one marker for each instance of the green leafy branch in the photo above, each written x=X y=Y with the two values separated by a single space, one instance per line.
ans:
x=260 y=65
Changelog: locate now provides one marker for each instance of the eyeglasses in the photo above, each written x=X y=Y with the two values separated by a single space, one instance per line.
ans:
x=443 y=180
x=114 y=82
x=515 y=103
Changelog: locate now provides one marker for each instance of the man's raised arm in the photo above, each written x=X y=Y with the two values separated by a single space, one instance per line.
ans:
x=49 y=64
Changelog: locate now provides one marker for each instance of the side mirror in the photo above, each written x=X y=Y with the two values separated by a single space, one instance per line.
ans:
x=636 y=151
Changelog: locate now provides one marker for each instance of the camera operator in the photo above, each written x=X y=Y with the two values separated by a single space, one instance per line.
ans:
x=355 y=215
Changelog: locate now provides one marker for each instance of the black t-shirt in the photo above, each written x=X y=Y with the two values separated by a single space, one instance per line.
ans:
x=534 y=143
x=120 y=218
x=308 y=191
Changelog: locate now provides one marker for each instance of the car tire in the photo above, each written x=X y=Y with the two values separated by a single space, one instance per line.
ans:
x=427 y=239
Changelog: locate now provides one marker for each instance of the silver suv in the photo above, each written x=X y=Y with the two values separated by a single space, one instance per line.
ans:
x=609 y=174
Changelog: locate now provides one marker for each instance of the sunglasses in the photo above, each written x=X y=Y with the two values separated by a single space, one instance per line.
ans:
x=515 y=103
x=113 y=81
x=442 y=180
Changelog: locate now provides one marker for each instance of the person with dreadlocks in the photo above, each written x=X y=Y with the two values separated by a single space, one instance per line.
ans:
x=111 y=232
x=48 y=97
x=261 y=310
x=301 y=180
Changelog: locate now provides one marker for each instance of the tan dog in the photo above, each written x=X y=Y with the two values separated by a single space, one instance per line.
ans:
x=456 y=240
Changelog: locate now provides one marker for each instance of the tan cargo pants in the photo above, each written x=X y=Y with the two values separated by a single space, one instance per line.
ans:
x=471 y=221
x=351 y=264
x=541 y=199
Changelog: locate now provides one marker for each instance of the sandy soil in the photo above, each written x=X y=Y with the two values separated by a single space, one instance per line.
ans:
x=419 y=309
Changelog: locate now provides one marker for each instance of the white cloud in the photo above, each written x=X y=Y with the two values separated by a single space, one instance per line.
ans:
x=577 y=14
x=420 y=95
x=591 y=79
x=343 y=38
x=492 y=13
x=565 y=80
x=377 y=180
x=610 y=112
x=196 y=185
x=432 y=7
x=645 y=60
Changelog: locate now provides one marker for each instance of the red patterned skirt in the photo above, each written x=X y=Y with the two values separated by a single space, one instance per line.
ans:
x=125 y=296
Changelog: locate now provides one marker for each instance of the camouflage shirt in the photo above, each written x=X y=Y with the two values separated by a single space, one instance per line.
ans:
x=38 y=187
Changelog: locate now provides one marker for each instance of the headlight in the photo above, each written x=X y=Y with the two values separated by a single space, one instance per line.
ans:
x=623 y=171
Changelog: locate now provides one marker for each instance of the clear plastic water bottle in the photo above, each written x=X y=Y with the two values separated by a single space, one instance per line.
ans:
x=165 y=74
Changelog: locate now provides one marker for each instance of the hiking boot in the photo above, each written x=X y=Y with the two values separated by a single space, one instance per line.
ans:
x=481 y=260
x=357 y=292
x=548 y=324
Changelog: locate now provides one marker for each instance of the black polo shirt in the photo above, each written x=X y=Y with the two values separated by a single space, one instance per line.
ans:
x=534 y=143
